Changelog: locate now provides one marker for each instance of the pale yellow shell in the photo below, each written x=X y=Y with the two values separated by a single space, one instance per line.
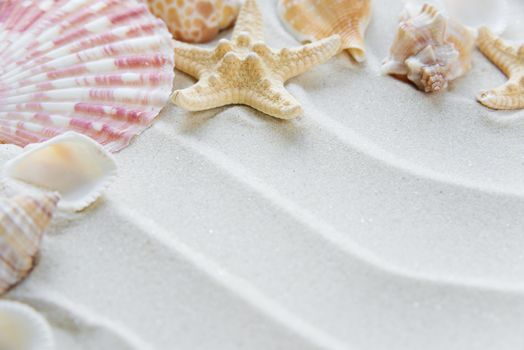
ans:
x=429 y=49
x=23 y=220
x=195 y=21
x=74 y=165
x=310 y=20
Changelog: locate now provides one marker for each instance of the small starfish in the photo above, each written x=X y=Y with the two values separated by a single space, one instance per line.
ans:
x=510 y=61
x=247 y=71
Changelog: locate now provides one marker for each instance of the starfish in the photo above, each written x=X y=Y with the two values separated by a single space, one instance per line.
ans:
x=510 y=61
x=247 y=71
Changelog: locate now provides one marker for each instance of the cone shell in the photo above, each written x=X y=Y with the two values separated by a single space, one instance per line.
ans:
x=73 y=165
x=311 y=20
x=22 y=328
x=429 y=49
x=196 y=21
x=103 y=68
x=23 y=220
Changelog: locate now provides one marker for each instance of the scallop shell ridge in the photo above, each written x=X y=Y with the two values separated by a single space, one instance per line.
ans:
x=103 y=68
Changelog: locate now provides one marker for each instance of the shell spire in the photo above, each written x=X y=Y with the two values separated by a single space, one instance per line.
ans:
x=311 y=20
x=23 y=220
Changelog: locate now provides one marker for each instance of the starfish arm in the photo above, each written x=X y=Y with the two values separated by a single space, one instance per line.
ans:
x=507 y=96
x=273 y=99
x=499 y=52
x=249 y=21
x=191 y=59
x=293 y=62
x=270 y=98
x=202 y=96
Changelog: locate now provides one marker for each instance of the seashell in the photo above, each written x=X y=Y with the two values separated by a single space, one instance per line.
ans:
x=429 y=49
x=196 y=21
x=311 y=20
x=75 y=166
x=510 y=60
x=103 y=68
x=22 y=328
x=23 y=220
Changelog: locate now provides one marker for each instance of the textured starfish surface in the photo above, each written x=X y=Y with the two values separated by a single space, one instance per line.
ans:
x=244 y=70
x=510 y=61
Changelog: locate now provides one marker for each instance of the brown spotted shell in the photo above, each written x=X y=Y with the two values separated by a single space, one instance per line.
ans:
x=195 y=21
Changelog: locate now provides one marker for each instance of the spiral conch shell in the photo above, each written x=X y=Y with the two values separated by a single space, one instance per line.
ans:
x=22 y=328
x=23 y=220
x=195 y=21
x=311 y=20
x=430 y=50
x=74 y=165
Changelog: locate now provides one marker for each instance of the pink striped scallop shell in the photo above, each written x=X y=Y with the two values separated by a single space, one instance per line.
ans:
x=103 y=68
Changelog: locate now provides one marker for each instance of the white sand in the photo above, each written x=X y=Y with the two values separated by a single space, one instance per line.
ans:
x=383 y=218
